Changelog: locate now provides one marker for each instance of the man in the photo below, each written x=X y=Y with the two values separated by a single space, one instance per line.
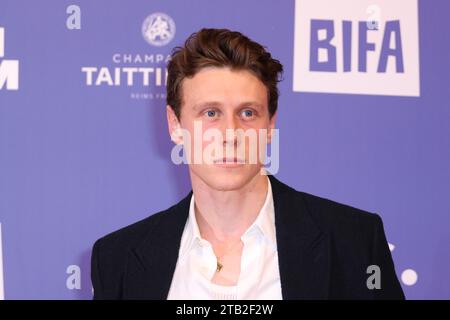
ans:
x=239 y=234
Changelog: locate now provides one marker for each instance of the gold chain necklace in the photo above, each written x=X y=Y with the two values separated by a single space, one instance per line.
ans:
x=219 y=265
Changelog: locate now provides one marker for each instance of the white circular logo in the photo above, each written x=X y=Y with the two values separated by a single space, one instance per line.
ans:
x=158 y=29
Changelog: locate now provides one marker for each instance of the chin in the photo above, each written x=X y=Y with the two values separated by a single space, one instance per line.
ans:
x=226 y=179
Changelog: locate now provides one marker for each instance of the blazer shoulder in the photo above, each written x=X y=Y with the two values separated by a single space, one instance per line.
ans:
x=327 y=214
x=356 y=234
x=131 y=235
x=330 y=214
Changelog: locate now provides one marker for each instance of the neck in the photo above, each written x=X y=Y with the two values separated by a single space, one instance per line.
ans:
x=223 y=216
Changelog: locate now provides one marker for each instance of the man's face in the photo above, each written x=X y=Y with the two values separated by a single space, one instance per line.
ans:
x=220 y=100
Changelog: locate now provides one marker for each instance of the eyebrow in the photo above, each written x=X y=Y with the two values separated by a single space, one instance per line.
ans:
x=204 y=104
x=219 y=104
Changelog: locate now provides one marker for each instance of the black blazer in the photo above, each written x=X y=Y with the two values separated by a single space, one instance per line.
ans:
x=324 y=250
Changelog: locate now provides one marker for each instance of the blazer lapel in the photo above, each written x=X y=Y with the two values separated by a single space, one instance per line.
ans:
x=152 y=264
x=303 y=249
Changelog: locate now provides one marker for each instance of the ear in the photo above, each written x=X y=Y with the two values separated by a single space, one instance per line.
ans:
x=271 y=126
x=174 y=126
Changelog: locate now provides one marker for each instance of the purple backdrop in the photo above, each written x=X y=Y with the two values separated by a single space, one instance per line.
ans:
x=79 y=160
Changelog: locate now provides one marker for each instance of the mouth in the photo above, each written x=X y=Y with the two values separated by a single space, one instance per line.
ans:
x=229 y=162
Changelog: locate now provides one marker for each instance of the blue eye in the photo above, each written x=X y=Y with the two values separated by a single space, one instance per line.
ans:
x=247 y=113
x=211 y=113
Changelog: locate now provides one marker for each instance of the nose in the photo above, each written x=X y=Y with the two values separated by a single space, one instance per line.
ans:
x=230 y=137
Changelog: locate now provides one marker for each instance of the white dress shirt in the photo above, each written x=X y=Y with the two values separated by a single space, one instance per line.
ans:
x=259 y=277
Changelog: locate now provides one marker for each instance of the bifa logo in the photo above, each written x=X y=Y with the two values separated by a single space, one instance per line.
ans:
x=357 y=47
x=9 y=69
